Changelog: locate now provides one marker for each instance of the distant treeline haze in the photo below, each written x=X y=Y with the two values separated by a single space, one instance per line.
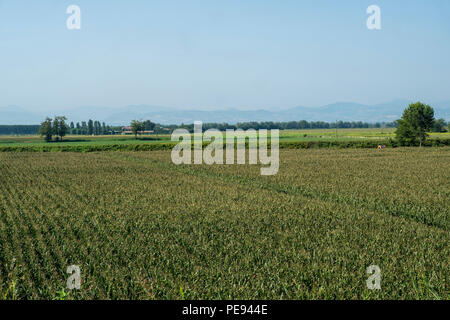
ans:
x=92 y=127
x=19 y=129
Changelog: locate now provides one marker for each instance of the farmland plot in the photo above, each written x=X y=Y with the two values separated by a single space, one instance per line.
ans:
x=140 y=227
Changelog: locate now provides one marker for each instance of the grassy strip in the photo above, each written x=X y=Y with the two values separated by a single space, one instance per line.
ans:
x=169 y=145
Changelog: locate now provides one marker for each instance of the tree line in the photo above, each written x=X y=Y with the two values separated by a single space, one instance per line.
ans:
x=53 y=127
x=59 y=128
x=92 y=127
x=19 y=129
x=291 y=125
x=438 y=125
x=412 y=128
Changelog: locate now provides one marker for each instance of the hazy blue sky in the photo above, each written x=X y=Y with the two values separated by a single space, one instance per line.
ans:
x=222 y=53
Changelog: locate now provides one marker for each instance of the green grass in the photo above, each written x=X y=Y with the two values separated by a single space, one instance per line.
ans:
x=346 y=134
x=141 y=227
x=20 y=141
x=346 y=138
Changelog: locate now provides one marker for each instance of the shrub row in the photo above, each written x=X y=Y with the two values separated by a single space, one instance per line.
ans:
x=390 y=143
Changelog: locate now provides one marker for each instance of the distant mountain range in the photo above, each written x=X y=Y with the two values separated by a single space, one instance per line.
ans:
x=345 y=111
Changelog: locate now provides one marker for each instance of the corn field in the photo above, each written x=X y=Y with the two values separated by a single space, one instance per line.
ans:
x=140 y=227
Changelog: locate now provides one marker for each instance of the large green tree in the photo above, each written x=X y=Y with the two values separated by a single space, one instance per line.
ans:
x=60 y=127
x=416 y=121
x=136 y=127
x=439 y=125
x=46 y=129
x=148 y=125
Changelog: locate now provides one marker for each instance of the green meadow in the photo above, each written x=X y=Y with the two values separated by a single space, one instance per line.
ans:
x=288 y=136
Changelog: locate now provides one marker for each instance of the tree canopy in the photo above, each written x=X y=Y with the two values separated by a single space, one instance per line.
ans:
x=416 y=121
x=46 y=129
x=50 y=127
x=137 y=127
x=60 y=127
x=439 y=125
